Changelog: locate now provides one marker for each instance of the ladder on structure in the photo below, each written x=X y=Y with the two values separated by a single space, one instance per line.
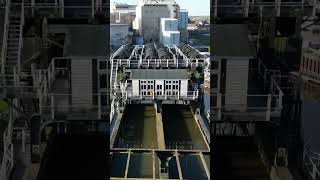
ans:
x=13 y=40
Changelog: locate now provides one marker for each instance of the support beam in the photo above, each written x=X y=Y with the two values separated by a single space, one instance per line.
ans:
x=247 y=8
x=160 y=131
x=52 y=107
x=92 y=8
x=215 y=8
x=278 y=8
x=178 y=165
x=314 y=9
x=127 y=165
x=205 y=165
x=153 y=165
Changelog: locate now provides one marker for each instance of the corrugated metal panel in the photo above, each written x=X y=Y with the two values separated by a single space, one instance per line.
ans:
x=81 y=79
x=237 y=82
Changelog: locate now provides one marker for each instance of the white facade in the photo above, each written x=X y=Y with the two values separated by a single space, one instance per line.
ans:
x=148 y=14
x=170 y=38
x=159 y=88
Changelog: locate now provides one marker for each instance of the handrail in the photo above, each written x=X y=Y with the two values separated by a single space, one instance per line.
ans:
x=21 y=36
x=193 y=95
x=5 y=36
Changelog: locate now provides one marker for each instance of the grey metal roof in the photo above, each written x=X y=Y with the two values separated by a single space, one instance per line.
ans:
x=231 y=40
x=159 y=74
x=88 y=40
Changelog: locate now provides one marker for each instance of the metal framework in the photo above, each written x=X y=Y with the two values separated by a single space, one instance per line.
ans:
x=312 y=164
x=136 y=57
x=172 y=153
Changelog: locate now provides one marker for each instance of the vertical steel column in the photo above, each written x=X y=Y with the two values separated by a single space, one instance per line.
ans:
x=178 y=165
x=99 y=105
x=247 y=8
x=153 y=165
x=56 y=6
x=278 y=7
x=268 y=107
x=215 y=8
x=52 y=106
x=127 y=164
x=62 y=8
x=23 y=140
x=314 y=9
x=92 y=8
x=219 y=106
x=33 y=4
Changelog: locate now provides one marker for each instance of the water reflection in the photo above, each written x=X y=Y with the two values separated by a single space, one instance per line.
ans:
x=310 y=94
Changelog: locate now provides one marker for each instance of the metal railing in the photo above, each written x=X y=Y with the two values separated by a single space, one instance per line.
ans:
x=165 y=95
x=254 y=105
x=277 y=5
x=54 y=105
x=137 y=60
x=5 y=38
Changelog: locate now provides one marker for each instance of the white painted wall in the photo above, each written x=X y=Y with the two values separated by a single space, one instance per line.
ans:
x=160 y=82
x=135 y=87
x=184 y=88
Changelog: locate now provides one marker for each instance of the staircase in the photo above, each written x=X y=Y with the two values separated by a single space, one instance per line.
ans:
x=29 y=106
x=114 y=74
x=13 y=43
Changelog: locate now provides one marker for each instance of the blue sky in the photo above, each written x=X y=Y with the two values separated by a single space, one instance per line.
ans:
x=195 y=7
